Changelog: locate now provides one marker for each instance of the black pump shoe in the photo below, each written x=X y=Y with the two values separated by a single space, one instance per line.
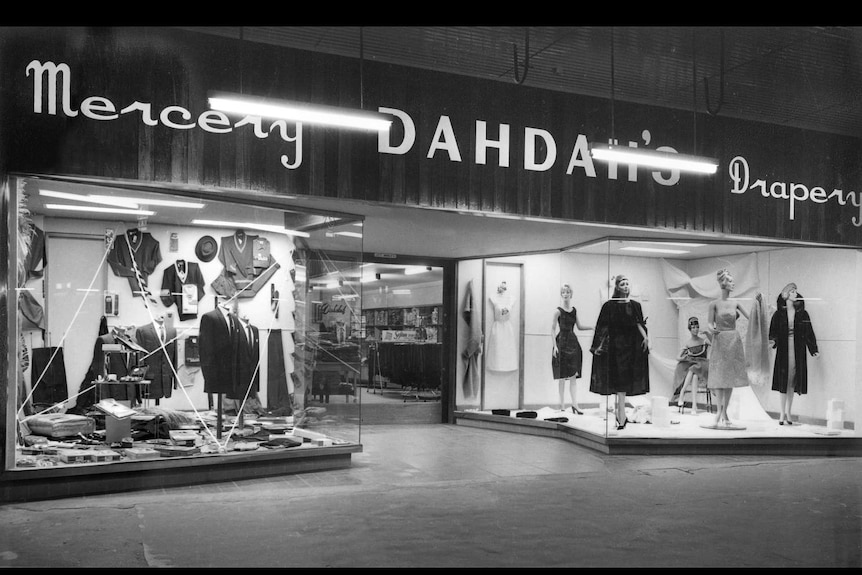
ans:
x=623 y=426
x=577 y=411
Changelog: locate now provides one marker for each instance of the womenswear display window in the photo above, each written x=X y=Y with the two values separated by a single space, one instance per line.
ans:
x=157 y=325
x=644 y=339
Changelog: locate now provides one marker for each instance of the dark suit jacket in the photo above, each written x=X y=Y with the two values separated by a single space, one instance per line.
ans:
x=160 y=372
x=217 y=346
x=247 y=358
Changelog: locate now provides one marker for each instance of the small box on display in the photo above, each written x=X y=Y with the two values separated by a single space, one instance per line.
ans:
x=176 y=450
x=87 y=455
x=660 y=412
x=116 y=429
x=306 y=434
x=184 y=437
x=835 y=414
x=141 y=453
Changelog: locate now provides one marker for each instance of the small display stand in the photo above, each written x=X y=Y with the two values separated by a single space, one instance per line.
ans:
x=118 y=420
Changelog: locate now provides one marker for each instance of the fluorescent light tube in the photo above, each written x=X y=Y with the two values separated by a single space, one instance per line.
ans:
x=401 y=291
x=653 y=159
x=262 y=227
x=300 y=112
x=99 y=210
x=681 y=244
x=654 y=250
x=105 y=200
x=150 y=202
x=414 y=270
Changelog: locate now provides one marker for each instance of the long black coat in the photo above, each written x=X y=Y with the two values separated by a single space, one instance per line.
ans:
x=803 y=338
x=624 y=365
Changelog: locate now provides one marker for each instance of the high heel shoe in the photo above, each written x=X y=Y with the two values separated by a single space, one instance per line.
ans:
x=623 y=426
x=680 y=407
x=577 y=411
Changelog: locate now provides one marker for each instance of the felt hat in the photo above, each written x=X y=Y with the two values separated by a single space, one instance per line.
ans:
x=206 y=248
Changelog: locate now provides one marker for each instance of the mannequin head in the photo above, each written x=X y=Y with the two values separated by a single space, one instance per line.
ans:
x=501 y=289
x=789 y=294
x=622 y=287
x=693 y=325
x=566 y=292
x=725 y=279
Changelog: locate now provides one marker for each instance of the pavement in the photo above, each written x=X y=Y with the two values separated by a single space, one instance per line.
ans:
x=440 y=495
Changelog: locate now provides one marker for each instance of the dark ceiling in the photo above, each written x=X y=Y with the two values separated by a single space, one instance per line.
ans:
x=801 y=76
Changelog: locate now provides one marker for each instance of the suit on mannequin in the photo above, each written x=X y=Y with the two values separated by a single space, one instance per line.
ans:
x=217 y=343
x=161 y=364
x=247 y=358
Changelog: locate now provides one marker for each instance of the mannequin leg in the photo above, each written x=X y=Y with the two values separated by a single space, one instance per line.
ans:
x=729 y=392
x=573 y=391
x=621 y=409
x=693 y=389
x=789 y=403
x=561 y=388
x=686 y=384
x=722 y=399
x=783 y=413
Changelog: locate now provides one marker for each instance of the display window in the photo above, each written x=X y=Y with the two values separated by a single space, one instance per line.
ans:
x=626 y=338
x=154 y=324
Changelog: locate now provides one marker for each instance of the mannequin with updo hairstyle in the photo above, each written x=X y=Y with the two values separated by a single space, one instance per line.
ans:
x=727 y=359
x=620 y=349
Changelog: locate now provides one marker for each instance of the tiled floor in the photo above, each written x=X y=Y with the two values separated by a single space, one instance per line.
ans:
x=455 y=496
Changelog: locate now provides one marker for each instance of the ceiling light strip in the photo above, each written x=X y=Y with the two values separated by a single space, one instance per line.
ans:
x=251 y=225
x=653 y=158
x=99 y=210
x=300 y=112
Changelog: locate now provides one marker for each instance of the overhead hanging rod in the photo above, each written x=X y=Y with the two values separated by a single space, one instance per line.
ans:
x=518 y=77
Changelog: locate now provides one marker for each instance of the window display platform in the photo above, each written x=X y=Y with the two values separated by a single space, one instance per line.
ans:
x=682 y=434
x=42 y=483
x=55 y=462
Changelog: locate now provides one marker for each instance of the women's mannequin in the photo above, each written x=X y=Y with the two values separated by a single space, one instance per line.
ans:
x=620 y=349
x=693 y=365
x=791 y=333
x=502 y=349
x=567 y=357
x=727 y=360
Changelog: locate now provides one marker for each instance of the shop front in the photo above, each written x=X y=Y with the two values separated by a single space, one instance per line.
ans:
x=140 y=222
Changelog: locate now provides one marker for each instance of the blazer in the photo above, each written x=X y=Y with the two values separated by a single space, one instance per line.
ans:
x=217 y=343
x=161 y=364
x=247 y=358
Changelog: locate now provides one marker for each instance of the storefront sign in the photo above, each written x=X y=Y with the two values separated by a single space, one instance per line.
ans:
x=444 y=142
x=791 y=192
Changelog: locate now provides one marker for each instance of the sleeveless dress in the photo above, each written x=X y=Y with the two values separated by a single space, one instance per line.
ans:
x=567 y=363
x=727 y=362
x=501 y=352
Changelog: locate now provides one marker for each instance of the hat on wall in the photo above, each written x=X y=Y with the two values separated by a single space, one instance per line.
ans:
x=206 y=248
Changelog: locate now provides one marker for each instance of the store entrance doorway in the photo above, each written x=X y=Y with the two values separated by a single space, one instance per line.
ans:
x=402 y=373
